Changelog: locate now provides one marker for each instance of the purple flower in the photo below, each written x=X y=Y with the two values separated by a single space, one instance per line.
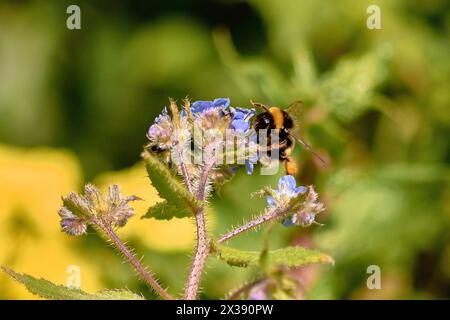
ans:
x=306 y=216
x=208 y=116
x=288 y=222
x=119 y=211
x=241 y=118
x=249 y=165
x=70 y=223
x=160 y=132
x=240 y=123
x=286 y=191
x=253 y=156
x=80 y=210
x=200 y=106
x=304 y=211
x=259 y=291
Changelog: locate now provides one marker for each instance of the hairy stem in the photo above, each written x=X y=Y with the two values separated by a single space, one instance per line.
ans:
x=128 y=254
x=252 y=224
x=183 y=169
x=202 y=248
x=198 y=263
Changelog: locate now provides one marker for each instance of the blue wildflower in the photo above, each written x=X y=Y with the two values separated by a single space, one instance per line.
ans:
x=200 y=106
x=160 y=132
x=311 y=207
x=240 y=123
x=70 y=223
x=253 y=157
x=216 y=115
x=287 y=190
x=249 y=165
x=288 y=222
x=241 y=118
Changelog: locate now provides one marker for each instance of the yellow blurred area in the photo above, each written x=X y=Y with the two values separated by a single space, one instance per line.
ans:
x=34 y=180
x=31 y=184
x=162 y=235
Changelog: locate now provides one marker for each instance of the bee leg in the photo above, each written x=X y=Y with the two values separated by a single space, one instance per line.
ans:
x=272 y=146
x=290 y=166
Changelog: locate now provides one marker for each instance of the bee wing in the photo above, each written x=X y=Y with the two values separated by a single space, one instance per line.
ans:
x=295 y=111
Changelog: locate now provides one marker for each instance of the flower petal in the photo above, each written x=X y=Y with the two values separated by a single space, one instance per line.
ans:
x=199 y=106
x=221 y=102
x=238 y=116
x=288 y=222
x=287 y=181
x=249 y=167
x=71 y=224
x=271 y=201
x=240 y=125
x=300 y=189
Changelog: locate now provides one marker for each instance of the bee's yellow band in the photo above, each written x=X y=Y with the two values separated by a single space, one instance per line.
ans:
x=278 y=117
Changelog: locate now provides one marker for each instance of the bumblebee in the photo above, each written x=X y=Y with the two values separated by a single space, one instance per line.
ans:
x=286 y=125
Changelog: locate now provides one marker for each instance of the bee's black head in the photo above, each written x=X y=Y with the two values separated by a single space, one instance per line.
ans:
x=287 y=121
x=263 y=121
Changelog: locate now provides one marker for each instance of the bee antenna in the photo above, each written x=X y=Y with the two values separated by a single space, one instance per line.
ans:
x=259 y=105
x=308 y=147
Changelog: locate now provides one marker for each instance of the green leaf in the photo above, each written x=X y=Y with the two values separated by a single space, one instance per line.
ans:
x=166 y=211
x=288 y=257
x=117 y=294
x=179 y=201
x=49 y=290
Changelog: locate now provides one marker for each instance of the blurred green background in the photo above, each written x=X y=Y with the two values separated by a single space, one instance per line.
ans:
x=75 y=106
